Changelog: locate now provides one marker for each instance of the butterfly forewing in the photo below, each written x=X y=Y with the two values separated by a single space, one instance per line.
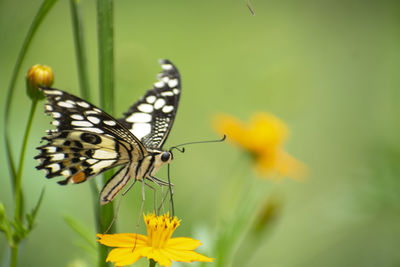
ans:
x=86 y=142
x=150 y=119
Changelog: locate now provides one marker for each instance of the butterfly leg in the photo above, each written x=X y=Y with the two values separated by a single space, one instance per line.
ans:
x=142 y=205
x=158 y=181
x=162 y=183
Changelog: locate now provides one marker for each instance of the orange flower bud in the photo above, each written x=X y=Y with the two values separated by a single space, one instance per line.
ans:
x=38 y=76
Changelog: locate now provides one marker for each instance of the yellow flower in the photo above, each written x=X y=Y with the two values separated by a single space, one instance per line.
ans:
x=38 y=75
x=157 y=245
x=264 y=138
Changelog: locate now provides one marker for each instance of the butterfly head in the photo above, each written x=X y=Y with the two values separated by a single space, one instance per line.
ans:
x=166 y=156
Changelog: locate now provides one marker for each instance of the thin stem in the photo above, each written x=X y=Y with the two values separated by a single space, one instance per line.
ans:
x=152 y=263
x=77 y=26
x=14 y=256
x=106 y=82
x=106 y=54
x=40 y=15
x=18 y=179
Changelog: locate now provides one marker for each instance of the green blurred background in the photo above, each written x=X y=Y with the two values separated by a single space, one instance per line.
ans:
x=329 y=69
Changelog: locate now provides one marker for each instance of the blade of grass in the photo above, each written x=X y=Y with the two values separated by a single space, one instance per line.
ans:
x=40 y=15
x=106 y=82
x=80 y=230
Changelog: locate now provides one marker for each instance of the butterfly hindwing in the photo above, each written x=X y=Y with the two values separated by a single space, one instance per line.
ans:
x=150 y=119
x=86 y=142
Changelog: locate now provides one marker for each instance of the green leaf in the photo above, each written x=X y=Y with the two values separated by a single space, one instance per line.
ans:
x=84 y=233
x=5 y=226
x=32 y=215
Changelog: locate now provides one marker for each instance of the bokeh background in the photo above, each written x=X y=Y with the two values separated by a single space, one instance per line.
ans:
x=329 y=69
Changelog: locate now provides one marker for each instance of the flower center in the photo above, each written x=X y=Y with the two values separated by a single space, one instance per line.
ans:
x=160 y=229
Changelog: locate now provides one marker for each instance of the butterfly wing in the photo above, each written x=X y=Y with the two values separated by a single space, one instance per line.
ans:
x=150 y=119
x=86 y=142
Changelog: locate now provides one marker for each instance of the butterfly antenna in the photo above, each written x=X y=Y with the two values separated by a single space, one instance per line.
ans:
x=197 y=142
x=171 y=194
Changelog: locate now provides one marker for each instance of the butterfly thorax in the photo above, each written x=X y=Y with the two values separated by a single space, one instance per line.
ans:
x=151 y=163
x=142 y=169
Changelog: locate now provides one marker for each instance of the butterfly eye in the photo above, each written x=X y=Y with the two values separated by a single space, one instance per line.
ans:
x=165 y=156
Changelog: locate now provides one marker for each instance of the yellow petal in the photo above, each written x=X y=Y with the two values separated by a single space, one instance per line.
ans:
x=157 y=255
x=229 y=125
x=122 y=240
x=185 y=255
x=124 y=256
x=280 y=164
x=182 y=243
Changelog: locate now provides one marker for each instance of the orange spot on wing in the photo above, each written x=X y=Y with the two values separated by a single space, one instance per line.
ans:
x=79 y=178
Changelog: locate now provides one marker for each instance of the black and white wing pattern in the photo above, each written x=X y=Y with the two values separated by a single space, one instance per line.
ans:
x=150 y=119
x=86 y=141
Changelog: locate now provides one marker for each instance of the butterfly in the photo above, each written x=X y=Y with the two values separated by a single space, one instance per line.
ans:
x=87 y=141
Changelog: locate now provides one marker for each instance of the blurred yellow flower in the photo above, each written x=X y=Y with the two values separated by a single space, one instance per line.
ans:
x=263 y=137
x=157 y=245
x=38 y=76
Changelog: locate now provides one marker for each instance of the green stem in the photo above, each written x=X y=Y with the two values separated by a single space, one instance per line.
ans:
x=106 y=54
x=40 y=15
x=80 y=49
x=18 y=179
x=14 y=256
x=106 y=83
x=152 y=263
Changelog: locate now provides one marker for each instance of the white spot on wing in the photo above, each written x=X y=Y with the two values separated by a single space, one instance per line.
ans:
x=56 y=114
x=77 y=117
x=81 y=123
x=65 y=104
x=139 y=117
x=173 y=83
x=54 y=167
x=58 y=156
x=141 y=129
x=166 y=66
x=93 y=130
x=168 y=109
x=150 y=99
x=104 y=154
x=51 y=149
x=145 y=108
x=55 y=123
x=176 y=91
x=165 y=79
x=83 y=104
x=159 y=103
x=71 y=102
x=167 y=93
x=93 y=119
x=48 y=107
x=91 y=112
x=110 y=123
x=102 y=164
x=159 y=84
x=52 y=92
x=91 y=161
x=66 y=173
